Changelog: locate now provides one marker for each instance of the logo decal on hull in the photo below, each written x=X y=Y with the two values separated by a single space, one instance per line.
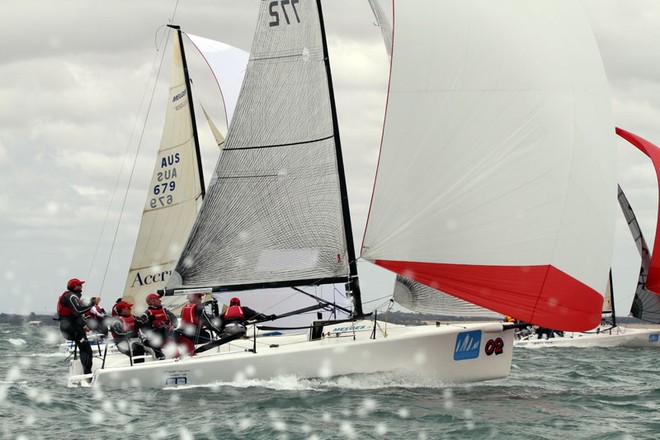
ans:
x=653 y=337
x=176 y=380
x=467 y=345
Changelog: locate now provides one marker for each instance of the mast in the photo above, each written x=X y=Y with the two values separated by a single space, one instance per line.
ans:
x=353 y=283
x=191 y=107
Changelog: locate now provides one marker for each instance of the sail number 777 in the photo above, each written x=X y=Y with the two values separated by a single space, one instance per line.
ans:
x=283 y=5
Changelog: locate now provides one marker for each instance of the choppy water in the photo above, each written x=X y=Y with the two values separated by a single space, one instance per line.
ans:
x=552 y=393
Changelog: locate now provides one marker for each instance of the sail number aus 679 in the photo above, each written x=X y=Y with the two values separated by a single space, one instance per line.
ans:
x=161 y=190
x=494 y=346
x=275 y=6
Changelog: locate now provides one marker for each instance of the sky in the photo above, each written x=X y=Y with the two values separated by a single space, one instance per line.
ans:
x=76 y=88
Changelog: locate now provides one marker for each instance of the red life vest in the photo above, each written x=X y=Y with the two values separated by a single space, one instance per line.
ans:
x=63 y=310
x=160 y=317
x=127 y=324
x=234 y=313
x=188 y=315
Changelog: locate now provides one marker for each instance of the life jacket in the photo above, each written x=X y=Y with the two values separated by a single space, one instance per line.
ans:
x=127 y=324
x=188 y=315
x=160 y=317
x=63 y=310
x=234 y=313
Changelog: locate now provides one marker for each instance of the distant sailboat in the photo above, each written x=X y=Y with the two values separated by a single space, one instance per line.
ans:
x=646 y=304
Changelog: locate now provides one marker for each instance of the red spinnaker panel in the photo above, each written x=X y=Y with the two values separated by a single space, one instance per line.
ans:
x=542 y=295
x=653 y=280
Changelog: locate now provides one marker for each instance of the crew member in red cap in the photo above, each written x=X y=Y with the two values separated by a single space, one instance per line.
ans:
x=124 y=331
x=158 y=325
x=196 y=322
x=71 y=310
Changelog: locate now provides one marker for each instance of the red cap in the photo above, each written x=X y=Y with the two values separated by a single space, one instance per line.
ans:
x=152 y=296
x=73 y=282
x=122 y=305
x=234 y=302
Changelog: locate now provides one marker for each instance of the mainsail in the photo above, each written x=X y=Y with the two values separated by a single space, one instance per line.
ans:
x=496 y=173
x=278 y=215
x=646 y=304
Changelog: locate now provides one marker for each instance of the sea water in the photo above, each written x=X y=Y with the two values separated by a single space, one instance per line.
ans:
x=552 y=393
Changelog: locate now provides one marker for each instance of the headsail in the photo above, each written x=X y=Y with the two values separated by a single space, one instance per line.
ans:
x=497 y=173
x=279 y=213
x=228 y=66
x=646 y=304
x=174 y=193
x=176 y=186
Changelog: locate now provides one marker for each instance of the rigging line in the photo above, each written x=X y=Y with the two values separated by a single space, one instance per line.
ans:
x=119 y=175
x=137 y=151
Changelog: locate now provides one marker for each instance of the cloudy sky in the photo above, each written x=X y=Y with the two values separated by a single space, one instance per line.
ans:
x=76 y=87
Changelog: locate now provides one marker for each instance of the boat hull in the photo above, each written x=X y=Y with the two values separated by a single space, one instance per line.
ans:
x=618 y=337
x=450 y=354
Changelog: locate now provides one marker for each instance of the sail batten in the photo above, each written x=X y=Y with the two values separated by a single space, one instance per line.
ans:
x=496 y=176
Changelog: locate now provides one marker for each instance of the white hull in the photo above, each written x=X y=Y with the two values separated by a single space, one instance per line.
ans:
x=618 y=337
x=444 y=353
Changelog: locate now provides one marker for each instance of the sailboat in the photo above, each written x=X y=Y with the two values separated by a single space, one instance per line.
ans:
x=278 y=216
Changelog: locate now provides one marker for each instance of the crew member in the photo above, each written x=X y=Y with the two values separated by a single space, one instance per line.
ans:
x=158 y=325
x=124 y=331
x=96 y=320
x=71 y=310
x=196 y=323
x=234 y=318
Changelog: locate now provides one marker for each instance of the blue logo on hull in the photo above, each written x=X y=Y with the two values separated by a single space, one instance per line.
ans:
x=653 y=337
x=467 y=345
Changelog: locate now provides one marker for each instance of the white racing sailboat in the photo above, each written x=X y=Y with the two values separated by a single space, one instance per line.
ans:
x=278 y=218
x=485 y=130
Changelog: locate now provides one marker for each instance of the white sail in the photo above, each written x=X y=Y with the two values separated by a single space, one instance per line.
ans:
x=424 y=299
x=496 y=177
x=276 y=216
x=173 y=196
x=228 y=66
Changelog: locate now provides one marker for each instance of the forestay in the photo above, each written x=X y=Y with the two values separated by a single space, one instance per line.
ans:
x=496 y=176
